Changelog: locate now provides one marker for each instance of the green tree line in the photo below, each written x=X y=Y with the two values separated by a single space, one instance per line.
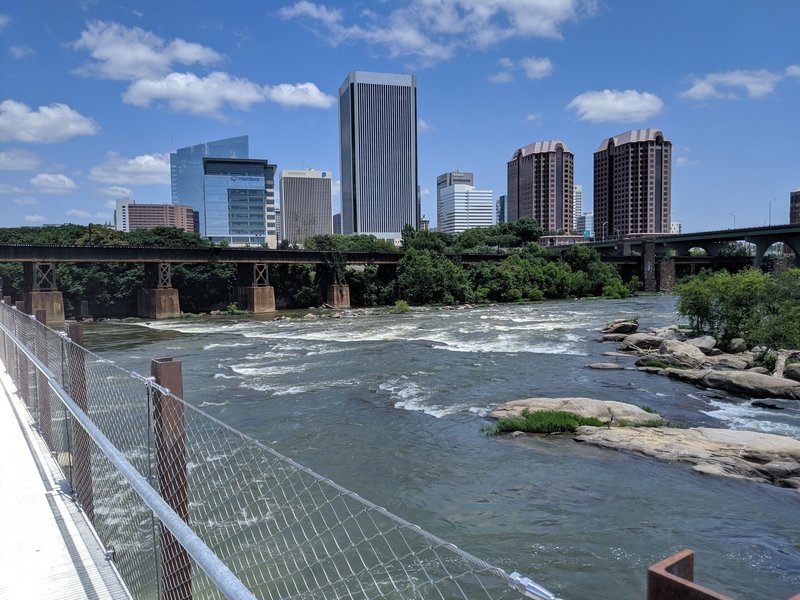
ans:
x=763 y=308
x=429 y=272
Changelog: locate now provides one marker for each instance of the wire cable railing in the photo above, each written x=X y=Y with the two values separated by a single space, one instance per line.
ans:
x=189 y=507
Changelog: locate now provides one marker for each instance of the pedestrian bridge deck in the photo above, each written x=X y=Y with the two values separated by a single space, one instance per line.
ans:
x=48 y=550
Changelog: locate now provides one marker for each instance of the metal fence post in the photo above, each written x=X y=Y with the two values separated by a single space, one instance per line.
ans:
x=82 y=463
x=173 y=479
x=22 y=363
x=42 y=394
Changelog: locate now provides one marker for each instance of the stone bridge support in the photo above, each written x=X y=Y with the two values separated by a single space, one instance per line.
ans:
x=339 y=295
x=157 y=299
x=41 y=293
x=649 y=267
x=666 y=275
x=255 y=293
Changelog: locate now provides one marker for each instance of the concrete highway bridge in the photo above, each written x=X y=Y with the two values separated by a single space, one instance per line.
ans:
x=661 y=259
x=648 y=257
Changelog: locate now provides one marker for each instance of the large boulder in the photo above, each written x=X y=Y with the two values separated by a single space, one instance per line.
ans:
x=606 y=366
x=683 y=353
x=739 y=361
x=743 y=383
x=620 y=326
x=739 y=454
x=605 y=410
x=641 y=341
x=706 y=343
x=736 y=345
x=792 y=371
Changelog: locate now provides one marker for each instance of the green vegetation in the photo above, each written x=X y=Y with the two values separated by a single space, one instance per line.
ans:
x=647 y=408
x=544 y=421
x=651 y=423
x=400 y=307
x=768 y=360
x=761 y=308
x=232 y=309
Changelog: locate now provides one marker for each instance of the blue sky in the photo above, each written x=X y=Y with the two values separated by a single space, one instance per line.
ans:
x=94 y=95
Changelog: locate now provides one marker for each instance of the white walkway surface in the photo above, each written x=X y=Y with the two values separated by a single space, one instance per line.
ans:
x=45 y=550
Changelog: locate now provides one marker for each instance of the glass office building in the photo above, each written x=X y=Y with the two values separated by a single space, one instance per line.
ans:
x=188 y=179
x=239 y=201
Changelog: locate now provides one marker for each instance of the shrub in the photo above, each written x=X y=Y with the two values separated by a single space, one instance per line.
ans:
x=400 y=307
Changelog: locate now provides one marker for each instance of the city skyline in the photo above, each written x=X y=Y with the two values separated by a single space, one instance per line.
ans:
x=94 y=97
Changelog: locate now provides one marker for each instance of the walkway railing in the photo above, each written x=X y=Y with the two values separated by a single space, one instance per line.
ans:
x=189 y=507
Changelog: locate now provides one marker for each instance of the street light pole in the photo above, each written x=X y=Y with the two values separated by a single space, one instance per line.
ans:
x=734 y=219
x=770 y=212
x=603 y=231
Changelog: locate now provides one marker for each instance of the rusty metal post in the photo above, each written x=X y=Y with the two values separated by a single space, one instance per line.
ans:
x=42 y=389
x=673 y=578
x=170 y=440
x=76 y=386
x=23 y=386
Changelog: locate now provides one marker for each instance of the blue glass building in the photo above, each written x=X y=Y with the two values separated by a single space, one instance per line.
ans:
x=239 y=199
x=188 y=179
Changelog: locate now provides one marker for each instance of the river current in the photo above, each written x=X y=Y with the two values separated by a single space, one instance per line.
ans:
x=392 y=406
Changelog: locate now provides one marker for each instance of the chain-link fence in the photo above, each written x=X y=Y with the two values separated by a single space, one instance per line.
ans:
x=283 y=530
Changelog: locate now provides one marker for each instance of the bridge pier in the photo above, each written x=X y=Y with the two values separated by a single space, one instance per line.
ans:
x=158 y=299
x=40 y=291
x=649 y=266
x=255 y=293
x=339 y=295
x=666 y=275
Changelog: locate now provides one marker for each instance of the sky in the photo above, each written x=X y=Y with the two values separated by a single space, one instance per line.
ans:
x=94 y=95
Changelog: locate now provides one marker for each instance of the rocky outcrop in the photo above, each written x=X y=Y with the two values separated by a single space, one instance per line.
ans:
x=641 y=341
x=705 y=343
x=604 y=366
x=686 y=354
x=739 y=454
x=730 y=361
x=792 y=371
x=736 y=345
x=620 y=326
x=605 y=410
x=744 y=383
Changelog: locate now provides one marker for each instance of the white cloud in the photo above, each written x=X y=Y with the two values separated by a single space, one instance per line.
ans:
x=616 y=105
x=51 y=183
x=422 y=125
x=147 y=169
x=198 y=95
x=9 y=189
x=425 y=192
x=533 y=117
x=683 y=161
x=793 y=71
x=757 y=84
x=82 y=214
x=298 y=94
x=115 y=191
x=433 y=30
x=22 y=51
x=25 y=201
x=536 y=68
x=502 y=77
x=131 y=53
x=34 y=219
x=18 y=160
x=4 y=20
x=46 y=125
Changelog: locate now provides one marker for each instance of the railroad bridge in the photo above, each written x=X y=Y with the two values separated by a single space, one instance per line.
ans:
x=157 y=299
x=656 y=260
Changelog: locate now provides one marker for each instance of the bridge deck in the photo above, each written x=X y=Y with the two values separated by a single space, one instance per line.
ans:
x=47 y=550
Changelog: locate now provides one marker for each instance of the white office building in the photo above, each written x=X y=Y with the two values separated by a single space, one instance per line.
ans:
x=461 y=207
x=305 y=204
x=378 y=146
x=577 y=205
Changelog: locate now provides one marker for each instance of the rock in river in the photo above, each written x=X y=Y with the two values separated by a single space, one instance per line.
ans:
x=604 y=410
x=739 y=454
x=744 y=383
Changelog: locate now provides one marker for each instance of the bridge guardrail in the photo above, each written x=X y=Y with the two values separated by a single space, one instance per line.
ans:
x=258 y=523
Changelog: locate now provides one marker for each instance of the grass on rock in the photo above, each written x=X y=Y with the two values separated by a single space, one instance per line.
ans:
x=545 y=421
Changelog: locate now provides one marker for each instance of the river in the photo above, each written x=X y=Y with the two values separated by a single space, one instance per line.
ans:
x=392 y=406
